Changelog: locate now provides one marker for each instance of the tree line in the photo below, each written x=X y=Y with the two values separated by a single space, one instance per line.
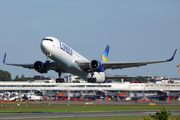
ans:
x=6 y=76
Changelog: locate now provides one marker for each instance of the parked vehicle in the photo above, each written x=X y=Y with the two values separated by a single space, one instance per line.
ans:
x=32 y=96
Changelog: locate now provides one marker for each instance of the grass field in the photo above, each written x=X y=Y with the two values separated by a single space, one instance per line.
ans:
x=8 y=107
x=173 y=117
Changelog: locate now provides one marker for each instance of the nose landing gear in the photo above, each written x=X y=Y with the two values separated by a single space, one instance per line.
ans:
x=48 y=55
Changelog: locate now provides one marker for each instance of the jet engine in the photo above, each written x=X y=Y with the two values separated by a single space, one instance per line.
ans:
x=40 y=67
x=96 y=66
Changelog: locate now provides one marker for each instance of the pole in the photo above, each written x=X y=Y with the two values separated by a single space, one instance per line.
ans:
x=178 y=71
x=68 y=88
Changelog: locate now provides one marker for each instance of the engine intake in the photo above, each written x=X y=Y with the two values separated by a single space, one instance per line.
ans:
x=96 y=66
x=40 y=67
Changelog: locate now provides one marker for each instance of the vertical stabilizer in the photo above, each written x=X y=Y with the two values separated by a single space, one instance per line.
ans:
x=104 y=56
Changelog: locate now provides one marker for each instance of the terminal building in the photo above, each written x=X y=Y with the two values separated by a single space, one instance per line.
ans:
x=133 y=90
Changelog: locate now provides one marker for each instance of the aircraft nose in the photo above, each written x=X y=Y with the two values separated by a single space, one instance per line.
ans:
x=44 y=45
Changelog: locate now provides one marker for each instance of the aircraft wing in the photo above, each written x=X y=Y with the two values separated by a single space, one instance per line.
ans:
x=50 y=65
x=30 y=66
x=121 y=65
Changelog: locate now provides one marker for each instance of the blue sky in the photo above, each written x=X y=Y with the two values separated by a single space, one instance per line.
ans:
x=135 y=30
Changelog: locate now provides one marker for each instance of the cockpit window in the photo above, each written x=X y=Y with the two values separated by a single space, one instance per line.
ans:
x=48 y=39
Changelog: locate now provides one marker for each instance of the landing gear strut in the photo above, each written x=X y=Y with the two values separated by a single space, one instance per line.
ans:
x=92 y=80
x=48 y=55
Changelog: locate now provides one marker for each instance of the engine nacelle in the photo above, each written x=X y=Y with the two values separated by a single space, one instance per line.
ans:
x=96 y=66
x=98 y=77
x=40 y=67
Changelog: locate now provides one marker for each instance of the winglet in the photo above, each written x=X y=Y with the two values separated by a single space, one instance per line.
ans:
x=172 y=56
x=105 y=54
x=4 y=59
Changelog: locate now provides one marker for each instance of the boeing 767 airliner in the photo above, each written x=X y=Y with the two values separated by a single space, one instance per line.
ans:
x=66 y=60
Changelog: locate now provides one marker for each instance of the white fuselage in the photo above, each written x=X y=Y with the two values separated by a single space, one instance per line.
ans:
x=59 y=48
x=66 y=58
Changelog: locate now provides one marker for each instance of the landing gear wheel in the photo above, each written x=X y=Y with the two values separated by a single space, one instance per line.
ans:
x=59 y=80
x=92 y=80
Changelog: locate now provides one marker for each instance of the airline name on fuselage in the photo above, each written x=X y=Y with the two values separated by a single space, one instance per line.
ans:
x=65 y=48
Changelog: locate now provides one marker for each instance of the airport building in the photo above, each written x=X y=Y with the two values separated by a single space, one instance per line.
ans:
x=159 y=91
x=131 y=89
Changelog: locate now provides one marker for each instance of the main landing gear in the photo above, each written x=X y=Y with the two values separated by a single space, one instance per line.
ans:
x=92 y=80
x=60 y=80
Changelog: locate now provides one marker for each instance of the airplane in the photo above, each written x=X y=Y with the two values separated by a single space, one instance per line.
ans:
x=67 y=60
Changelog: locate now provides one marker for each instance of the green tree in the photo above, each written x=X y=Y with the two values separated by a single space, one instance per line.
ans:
x=5 y=76
x=162 y=115
x=17 y=78
x=129 y=79
x=141 y=79
x=76 y=81
x=29 y=78
x=23 y=78
x=1 y=75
